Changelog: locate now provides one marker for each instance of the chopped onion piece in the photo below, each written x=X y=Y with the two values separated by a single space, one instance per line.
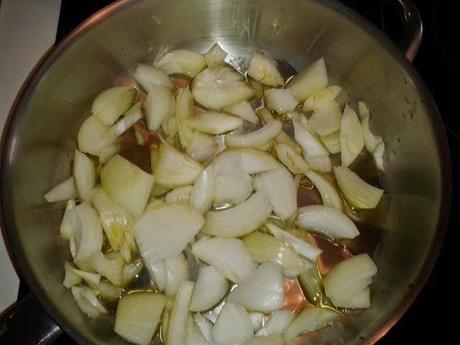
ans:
x=182 y=61
x=87 y=234
x=88 y=302
x=150 y=77
x=303 y=248
x=255 y=161
x=325 y=119
x=175 y=169
x=262 y=291
x=374 y=144
x=194 y=336
x=68 y=221
x=213 y=122
x=204 y=325
x=239 y=220
x=326 y=189
x=93 y=279
x=279 y=321
x=311 y=283
x=280 y=189
x=109 y=105
x=219 y=87
x=264 y=70
x=203 y=190
x=164 y=230
x=130 y=271
x=71 y=278
x=138 y=315
x=92 y=136
x=233 y=325
x=133 y=115
x=176 y=273
x=201 y=147
x=361 y=300
x=256 y=138
x=157 y=106
x=348 y=278
x=108 y=151
x=291 y=159
x=321 y=97
x=157 y=272
x=109 y=292
x=184 y=111
x=63 y=191
x=378 y=156
x=177 y=330
x=327 y=221
x=310 y=319
x=180 y=195
x=332 y=142
x=110 y=266
x=210 y=288
x=358 y=192
x=265 y=340
x=257 y=320
x=280 y=100
x=265 y=248
x=307 y=82
x=228 y=255
x=213 y=314
x=243 y=110
x=215 y=56
x=127 y=184
x=84 y=174
x=351 y=136
x=233 y=187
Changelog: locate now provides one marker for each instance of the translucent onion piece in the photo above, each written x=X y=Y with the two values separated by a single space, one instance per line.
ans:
x=370 y=140
x=177 y=330
x=280 y=189
x=179 y=195
x=265 y=248
x=312 y=285
x=84 y=174
x=88 y=302
x=110 y=266
x=239 y=220
x=109 y=105
x=157 y=272
x=138 y=315
x=201 y=147
x=291 y=159
x=182 y=61
x=361 y=300
x=219 y=87
x=175 y=169
x=310 y=319
x=164 y=230
x=184 y=110
x=127 y=184
x=265 y=340
x=264 y=70
x=228 y=255
x=203 y=190
x=243 y=110
x=280 y=100
x=348 y=278
x=176 y=273
x=150 y=77
x=213 y=122
x=108 y=151
x=307 y=82
x=133 y=115
x=194 y=336
x=256 y=138
x=204 y=325
x=332 y=142
x=358 y=192
x=93 y=279
x=87 y=233
x=321 y=97
x=213 y=314
x=67 y=224
x=233 y=187
x=302 y=247
x=279 y=321
x=326 y=118
x=326 y=189
x=109 y=292
x=251 y=161
x=233 y=325
x=215 y=56
x=63 y=191
x=262 y=291
x=210 y=288
x=157 y=106
x=71 y=278
x=257 y=320
x=92 y=136
x=351 y=136
x=327 y=221
x=378 y=156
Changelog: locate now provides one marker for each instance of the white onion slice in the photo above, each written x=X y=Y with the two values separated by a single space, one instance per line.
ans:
x=111 y=103
x=262 y=291
x=84 y=174
x=279 y=321
x=251 y=161
x=378 y=156
x=332 y=142
x=180 y=195
x=176 y=273
x=361 y=300
x=93 y=279
x=302 y=247
x=370 y=140
x=280 y=100
x=88 y=302
x=164 y=230
x=326 y=189
x=327 y=221
x=265 y=340
x=264 y=70
x=150 y=77
x=157 y=106
x=233 y=325
x=201 y=147
x=109 y=292
x=110 y=266
x=138 y=315
x=157 y=272
x=310 y=80
x=280 y=189
x=204 y=325
x=182 y=61
x=133 y=115
x=203 y=190
x=63 y=191
x=257 y=320
x=184 y=110
x=194 y=335
x=233 y=187
x=213 y=122
x=210 y=288
x=326 y=118
x=321 y=97
x=239 y=220
x=179 y=315
x=108 y=151
x=291 y=159
x=215 y=56
x=243 y=110
x=228 y=255
x=92 y=136
x=351 y=136
x=256 y=138
x=71 y=278
x=130 y=271
x=66 y=229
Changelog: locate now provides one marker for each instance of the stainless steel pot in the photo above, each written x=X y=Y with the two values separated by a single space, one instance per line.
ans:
x=40 y=137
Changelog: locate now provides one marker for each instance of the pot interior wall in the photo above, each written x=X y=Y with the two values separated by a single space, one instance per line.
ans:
x=43 y=136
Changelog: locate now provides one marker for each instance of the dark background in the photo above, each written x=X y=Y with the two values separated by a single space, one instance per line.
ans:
x=432 y=316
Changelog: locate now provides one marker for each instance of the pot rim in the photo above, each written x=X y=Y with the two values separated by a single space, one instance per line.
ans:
x=14 y=247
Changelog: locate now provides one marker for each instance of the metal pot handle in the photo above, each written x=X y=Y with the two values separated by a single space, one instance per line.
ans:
x=413 y=29
x=27 y=322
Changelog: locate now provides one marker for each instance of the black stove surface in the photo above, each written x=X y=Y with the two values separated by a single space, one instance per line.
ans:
x=432 y=315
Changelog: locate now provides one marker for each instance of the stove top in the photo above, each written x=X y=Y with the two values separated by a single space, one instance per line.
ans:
x=438 y=62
